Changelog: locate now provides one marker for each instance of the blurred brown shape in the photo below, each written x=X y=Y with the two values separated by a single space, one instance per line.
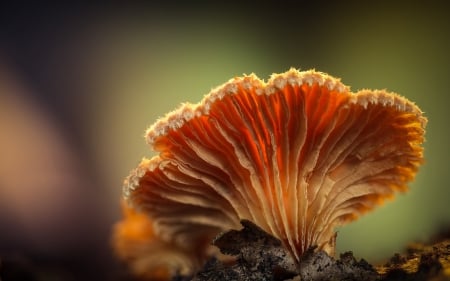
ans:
x=298 y=156
x=41 y=180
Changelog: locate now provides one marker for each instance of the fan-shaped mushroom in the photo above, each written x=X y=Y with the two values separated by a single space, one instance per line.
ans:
x=298 y=156
x=147 y=255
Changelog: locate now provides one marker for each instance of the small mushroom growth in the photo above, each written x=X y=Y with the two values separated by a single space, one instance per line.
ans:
x=298 y=156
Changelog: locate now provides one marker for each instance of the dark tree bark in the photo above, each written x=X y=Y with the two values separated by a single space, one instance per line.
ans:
x=260 y=256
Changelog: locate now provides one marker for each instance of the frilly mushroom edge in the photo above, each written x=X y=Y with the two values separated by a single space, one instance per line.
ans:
x=298 y=156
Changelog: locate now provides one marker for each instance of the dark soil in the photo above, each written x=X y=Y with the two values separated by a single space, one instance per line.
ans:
x=256 y=255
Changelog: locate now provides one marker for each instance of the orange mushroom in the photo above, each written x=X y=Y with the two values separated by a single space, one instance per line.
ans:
x=298 y=156
x=148 y=256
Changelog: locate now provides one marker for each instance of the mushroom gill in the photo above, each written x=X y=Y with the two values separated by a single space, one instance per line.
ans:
x=298 y=156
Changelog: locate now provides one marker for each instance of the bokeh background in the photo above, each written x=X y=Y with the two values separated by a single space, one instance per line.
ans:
x=79 y=84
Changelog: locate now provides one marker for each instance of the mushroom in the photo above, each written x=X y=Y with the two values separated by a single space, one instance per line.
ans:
x=298 y=156
x=147 y=255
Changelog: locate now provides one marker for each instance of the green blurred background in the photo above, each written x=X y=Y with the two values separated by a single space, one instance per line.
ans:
x=100 y=75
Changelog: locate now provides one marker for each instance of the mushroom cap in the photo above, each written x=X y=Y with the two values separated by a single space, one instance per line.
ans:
x=298 y=156
x=148 y=256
